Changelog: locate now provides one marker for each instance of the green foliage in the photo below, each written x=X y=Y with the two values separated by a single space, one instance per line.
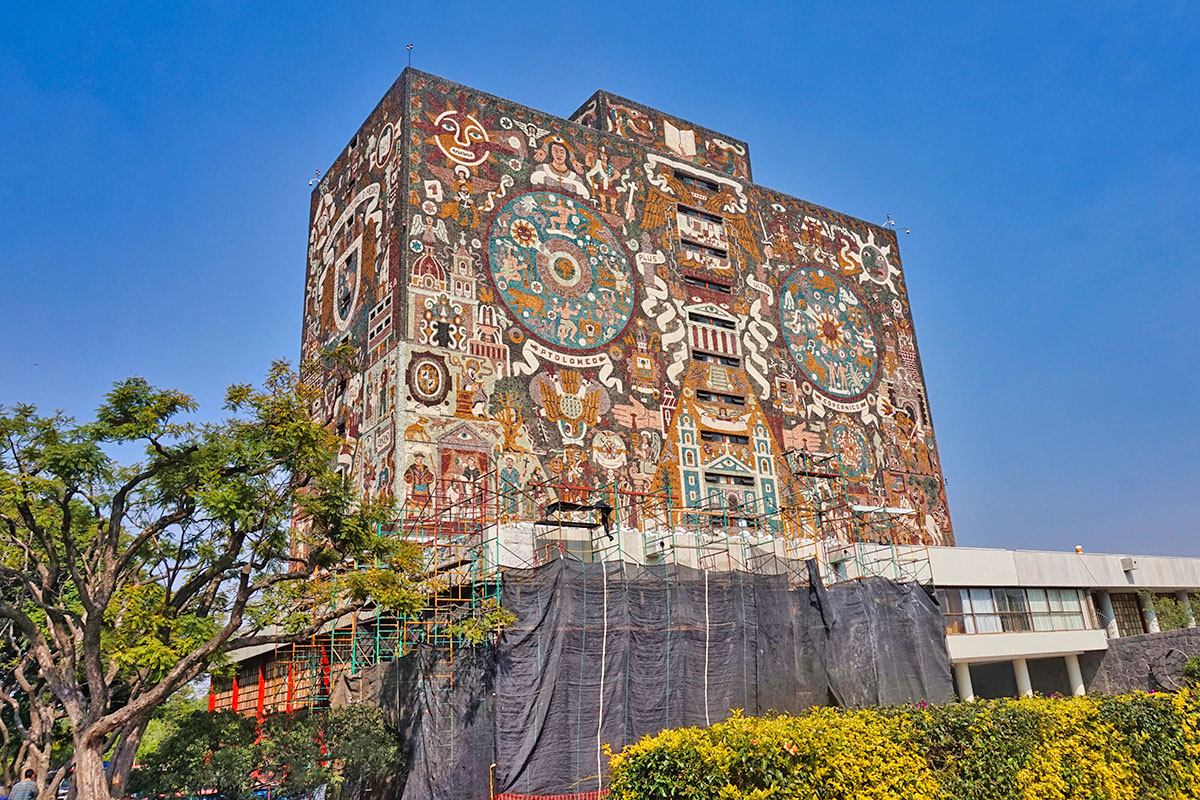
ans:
x=1172 y=614
x=129 y=580
x=826 y=753
x=1137 y=746
x=213 y=751
x=475 y=629
x=167 y=720
x=232 y=756
x=1191 y=671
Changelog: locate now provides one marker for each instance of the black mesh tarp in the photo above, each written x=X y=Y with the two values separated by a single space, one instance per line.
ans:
x=602 y=654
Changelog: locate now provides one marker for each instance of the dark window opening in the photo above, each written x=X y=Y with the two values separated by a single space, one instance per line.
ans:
x=716 y=436
x=721 y=478
x=715 y=252
x=713 y=358
x=704 y=283
x=718 y=397
x=696 y=182
x=696 y=213
x=716 y=322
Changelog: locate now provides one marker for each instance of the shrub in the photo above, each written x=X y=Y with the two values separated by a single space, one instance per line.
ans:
x=1191 y=671
x=1172 y=614
x=1128 y=747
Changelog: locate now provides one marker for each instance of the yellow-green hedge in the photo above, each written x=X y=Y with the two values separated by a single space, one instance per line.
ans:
x=1128 y=747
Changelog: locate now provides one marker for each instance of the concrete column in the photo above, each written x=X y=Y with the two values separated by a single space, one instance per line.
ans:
x=1110 y=616
x=962 y=676
x=1146 y=604
x=1075 y=675
x=1183 y=598
x=1021 y=670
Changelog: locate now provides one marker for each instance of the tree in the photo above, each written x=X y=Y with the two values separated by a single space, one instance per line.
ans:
x=227 y=754
x=127 y=582
x=28 y=715
x=215 y=752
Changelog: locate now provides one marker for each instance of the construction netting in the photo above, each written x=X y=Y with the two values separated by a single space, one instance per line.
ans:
x=604 y=653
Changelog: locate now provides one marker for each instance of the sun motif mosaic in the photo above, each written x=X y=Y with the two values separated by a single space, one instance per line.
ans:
x=561 y=270
x=829 y=333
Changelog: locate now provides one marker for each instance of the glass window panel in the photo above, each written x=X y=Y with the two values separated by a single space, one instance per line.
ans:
x=951 y=601
x=1016 y=600
x=1070 y=599
x=1056 y=600
x=964 y=597
x=1040 y=608
x=999 y=602
x=982 y=603
x=1037 y=600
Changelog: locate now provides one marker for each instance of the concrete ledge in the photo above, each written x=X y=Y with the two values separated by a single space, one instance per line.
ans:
x=969 y=647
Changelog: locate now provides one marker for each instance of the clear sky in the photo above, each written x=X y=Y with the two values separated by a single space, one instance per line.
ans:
x=1046 y=157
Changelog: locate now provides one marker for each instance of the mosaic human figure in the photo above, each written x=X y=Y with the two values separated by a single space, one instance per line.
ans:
x=419 y=478
x=510 y=480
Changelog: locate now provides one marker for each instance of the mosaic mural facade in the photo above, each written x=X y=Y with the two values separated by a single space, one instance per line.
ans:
x=602 y=301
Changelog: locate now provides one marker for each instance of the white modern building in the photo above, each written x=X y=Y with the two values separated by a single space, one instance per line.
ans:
x=1020 y=621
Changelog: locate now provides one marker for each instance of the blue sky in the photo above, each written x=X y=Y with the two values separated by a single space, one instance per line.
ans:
x=1045 y=156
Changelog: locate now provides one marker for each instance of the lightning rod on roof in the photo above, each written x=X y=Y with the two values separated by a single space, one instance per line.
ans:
x=891 y=223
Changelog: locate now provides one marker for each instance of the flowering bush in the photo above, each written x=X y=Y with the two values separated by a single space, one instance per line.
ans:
x=1128 y=747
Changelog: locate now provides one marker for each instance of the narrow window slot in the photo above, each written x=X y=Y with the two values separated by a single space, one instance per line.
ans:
x=716 y=322
x=713 y=358
x=696 y=213
x=706 y=396
x=715 y=252
x=717 y=436
x=705 y=283
x=696 y=182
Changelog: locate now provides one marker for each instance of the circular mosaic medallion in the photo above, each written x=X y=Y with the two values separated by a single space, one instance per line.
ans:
x=829 y=333
x=561 y=270
x=428 y=378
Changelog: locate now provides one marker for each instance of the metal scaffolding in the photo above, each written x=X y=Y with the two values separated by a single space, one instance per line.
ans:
x=470 y=530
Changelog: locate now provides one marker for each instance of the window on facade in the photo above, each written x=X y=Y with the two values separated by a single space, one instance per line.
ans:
x=725 y=479
x=705 y=283
x=719 y=397
x=715 y=436
x=1055 y=609
x=707 y=250
x=713 y=358
x=983 y=617
x=1011 y=610
x=696 y=213
x=716 y=322
x=695 y=182
x=951 y=601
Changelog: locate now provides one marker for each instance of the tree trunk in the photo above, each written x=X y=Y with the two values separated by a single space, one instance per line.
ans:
x=90 y=782
x=50 y=789
x=124 y=755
